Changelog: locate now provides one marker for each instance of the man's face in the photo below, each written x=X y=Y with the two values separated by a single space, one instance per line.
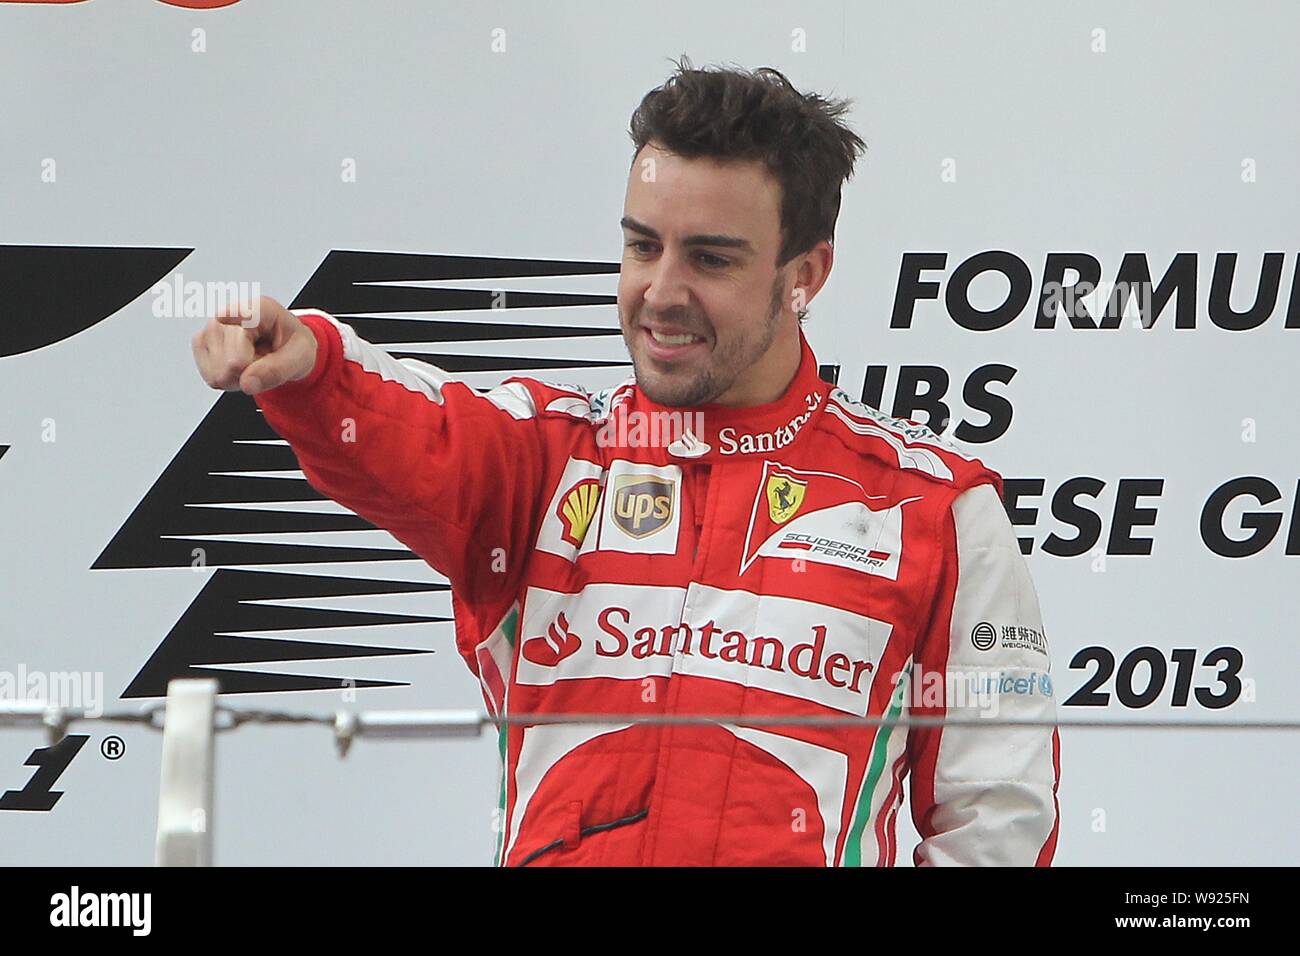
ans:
x=703 y=308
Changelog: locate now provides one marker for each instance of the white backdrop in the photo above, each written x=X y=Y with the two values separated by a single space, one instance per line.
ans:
x=283 y=131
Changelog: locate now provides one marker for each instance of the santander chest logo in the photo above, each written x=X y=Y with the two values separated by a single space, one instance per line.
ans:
x=805 y=657
x=793 y=646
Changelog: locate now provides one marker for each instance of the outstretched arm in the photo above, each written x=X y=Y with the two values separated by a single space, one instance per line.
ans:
x=453 y=474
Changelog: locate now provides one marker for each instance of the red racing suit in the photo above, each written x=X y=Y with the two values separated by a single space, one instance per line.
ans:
x=810 y=557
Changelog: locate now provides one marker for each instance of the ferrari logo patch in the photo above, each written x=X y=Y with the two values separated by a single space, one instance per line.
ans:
x=784 y=496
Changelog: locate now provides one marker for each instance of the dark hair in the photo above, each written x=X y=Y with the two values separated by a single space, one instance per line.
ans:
x=735 y=114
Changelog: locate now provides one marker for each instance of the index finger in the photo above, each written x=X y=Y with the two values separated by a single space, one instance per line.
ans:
x=245 y=314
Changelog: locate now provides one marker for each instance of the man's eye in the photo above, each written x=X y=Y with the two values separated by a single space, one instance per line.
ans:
x=646 y=247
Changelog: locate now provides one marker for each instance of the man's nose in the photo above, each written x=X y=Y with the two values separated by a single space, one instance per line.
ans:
x=669 y=288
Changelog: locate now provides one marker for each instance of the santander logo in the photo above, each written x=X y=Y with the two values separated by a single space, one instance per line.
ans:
x=814 y=652
x=809 y=660
x=554 y=646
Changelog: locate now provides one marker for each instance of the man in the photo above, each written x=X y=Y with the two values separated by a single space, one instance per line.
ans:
x=724 y=534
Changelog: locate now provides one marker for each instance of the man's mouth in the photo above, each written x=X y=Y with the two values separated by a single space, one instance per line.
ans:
x=670 y=345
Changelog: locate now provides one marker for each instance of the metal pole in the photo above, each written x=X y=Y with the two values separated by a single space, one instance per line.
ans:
x=185 y=794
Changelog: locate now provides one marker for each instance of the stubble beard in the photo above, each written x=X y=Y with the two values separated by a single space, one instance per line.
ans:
x=726 y=365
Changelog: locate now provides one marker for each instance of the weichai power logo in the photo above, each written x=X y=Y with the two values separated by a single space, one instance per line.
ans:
x=643 y=504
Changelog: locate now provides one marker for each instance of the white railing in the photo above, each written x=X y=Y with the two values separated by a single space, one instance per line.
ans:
x=191 y=718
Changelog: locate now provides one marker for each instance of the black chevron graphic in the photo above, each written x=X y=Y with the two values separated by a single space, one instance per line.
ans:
x=339 y=285
x=53 y=292
x=168 y=524
x=199 y=637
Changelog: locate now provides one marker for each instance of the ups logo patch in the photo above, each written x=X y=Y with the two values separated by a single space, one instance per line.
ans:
x=643 y=504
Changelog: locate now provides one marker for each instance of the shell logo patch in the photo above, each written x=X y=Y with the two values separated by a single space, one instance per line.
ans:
x=576 y=510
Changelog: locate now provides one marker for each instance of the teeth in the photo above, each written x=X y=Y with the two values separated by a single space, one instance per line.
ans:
x=674 y=339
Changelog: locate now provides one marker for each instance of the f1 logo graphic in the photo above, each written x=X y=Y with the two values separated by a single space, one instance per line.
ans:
x=50 y=763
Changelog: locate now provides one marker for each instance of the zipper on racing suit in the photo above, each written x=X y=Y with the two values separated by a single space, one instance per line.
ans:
x=702 y=490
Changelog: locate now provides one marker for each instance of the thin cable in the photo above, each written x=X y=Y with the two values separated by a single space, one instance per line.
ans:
x=229 y=718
